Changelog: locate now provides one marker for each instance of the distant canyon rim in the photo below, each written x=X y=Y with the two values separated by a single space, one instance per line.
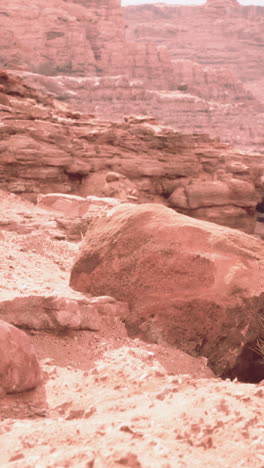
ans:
x=196 y=68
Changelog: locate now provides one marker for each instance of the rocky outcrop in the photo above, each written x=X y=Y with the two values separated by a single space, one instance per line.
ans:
x=196 y=99
x=69 y=37
x=107 y=399
x=216 y=33
x=36 y=299
x=40 y=312
x=211 y=83
x=82 y=55
x=77 y=38
x=221 y=82
x=19 y=368
x=73 y=205
x=193 y=285
x=46 y=148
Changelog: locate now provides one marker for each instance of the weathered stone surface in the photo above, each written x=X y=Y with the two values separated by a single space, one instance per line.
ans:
x=82 y=56
x=216 y=32
x=232 y=199
x=191 y=284
x=202 y=99
x=211 y=83
x=66 y=37
x=77 y=38
x=225 y=38
x=73 y=205
x=19 y=368
x=46 y=148
x=76 y=312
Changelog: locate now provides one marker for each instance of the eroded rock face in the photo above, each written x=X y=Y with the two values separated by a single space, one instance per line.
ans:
x=46 y=148
x=218 y=201
x=216 y=32
x=19 y=368
x=191 y=284
x=216 y=50
x=76 y=38
x=85 y=54
x=40 y=312
x=73 y=205
x=67 y=37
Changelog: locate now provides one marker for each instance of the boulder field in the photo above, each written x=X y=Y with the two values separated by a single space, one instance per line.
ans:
x=190 y=284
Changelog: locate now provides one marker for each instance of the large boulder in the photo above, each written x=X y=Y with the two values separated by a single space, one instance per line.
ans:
x=190 y=283
x=230 y=202
x=19 y=368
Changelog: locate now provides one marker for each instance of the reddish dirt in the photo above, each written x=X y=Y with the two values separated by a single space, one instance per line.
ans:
x=127 y=411
x=106 y=400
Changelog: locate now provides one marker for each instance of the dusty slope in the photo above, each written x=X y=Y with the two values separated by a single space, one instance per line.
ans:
x=133 y=414
x=107 y=401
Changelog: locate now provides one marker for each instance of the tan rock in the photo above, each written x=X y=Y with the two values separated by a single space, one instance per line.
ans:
x=234 y=192
x=19 y=368
x=191 y=284
x=67 y=204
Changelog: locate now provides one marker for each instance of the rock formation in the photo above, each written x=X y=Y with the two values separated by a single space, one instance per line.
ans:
x=107 y=398
x=216 y=35
x=78 y=38
x=19 y=368
x=82 y=55
x=46 y=148
x=190 y=284
x=69 y=37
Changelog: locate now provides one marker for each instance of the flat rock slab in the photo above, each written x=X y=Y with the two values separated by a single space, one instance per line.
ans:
x=73 y=205
x=77 y=312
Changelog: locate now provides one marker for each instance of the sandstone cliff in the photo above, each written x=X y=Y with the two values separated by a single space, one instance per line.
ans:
x=220 y=32
x=62 y=37
x=87 y=55
x=217 y=53
x=76 y=38
x=45 y=148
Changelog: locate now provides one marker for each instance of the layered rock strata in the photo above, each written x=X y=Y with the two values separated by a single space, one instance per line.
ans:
x=82 y=55
x=217 y=54
x=216 y=33
x=69 y=37
x=78 y=38
x=47 y=148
